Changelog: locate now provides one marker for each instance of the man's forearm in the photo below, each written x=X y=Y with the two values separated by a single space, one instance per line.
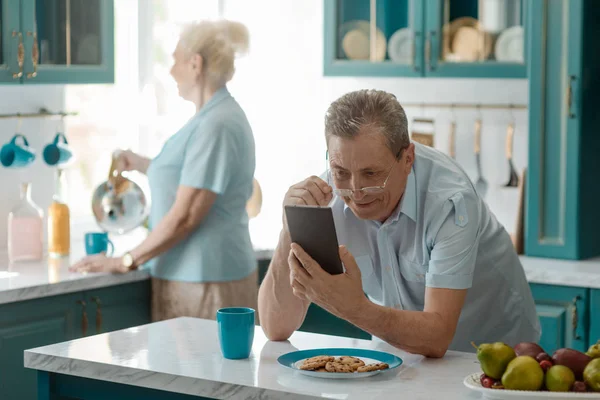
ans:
x=417 y=332
x=280 y=311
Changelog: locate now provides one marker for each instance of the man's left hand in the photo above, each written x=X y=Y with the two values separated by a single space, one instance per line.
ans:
x=341 y=295
x=99 y=263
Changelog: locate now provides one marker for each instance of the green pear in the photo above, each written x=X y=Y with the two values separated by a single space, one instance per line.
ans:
x=559 y=378
x=494 y=357
x=591 y=374
x=594 y=350
x=523 y=373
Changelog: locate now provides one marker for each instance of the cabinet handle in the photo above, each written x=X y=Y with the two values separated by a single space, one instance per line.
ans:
x=98 y=314
x=20 y=54
x=84 y=318
x=575 y=318
x=372 y=30
x=35 y=55
x=570 y=97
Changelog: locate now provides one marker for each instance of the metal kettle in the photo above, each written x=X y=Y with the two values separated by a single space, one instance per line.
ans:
x=119 y=205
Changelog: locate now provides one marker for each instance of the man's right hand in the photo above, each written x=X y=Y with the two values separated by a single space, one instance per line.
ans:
x=312 y=191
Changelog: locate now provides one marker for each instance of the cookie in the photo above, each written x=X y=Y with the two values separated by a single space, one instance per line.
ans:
x=354 y=362
x=373 y=367
x=322 y=369
x=310 y=364
x=335 y=366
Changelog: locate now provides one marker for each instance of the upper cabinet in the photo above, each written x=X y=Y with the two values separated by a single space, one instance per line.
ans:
x=562 y=215
x=434 y=38
x=57 y=41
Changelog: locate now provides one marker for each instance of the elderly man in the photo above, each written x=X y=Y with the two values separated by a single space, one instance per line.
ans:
x=439 y=270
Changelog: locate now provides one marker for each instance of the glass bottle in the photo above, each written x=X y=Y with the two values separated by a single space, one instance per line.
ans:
x=59 y=224
x=25 y=229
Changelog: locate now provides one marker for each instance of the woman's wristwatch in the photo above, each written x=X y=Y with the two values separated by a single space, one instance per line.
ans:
x=127 y=261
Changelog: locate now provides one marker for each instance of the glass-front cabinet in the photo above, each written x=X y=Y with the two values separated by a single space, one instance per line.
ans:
x=433 y=38
x=57 y=41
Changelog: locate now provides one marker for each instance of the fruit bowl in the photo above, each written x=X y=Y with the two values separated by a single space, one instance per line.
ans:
x=473 y=383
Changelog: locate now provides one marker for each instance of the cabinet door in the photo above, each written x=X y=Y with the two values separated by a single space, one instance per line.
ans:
x=397 y=26
x=26 y=325
x=12 y=51
x=594 y=336
x=553 y=177
x=475 y=38
x=118 y=307
x=563 y=313
x=68 y=41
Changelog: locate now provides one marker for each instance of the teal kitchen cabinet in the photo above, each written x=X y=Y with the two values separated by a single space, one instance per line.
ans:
x=57 y=41
x=12 y=52
x=563 y=313
x=43 y=321
x=562 y=214
x=434 y=38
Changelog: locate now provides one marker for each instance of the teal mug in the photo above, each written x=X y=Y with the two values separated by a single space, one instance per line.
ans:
x=236 y=331
x=14 y=155
x=98 y=242
x=57 y=152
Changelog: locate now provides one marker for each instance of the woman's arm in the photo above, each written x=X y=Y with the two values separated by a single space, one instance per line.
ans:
x=190 y=207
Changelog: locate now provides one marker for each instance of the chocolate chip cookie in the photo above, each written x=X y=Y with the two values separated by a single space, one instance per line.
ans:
x=353 y=362
x=373 y=367
x=336 y=366
x=313 y=363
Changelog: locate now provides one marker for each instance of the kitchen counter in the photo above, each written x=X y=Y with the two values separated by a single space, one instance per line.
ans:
x=49 y=277
x=551 y=271
x=183 y=356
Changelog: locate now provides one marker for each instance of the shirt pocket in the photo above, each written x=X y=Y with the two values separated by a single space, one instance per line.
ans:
x=369 y=279
x=411 y=270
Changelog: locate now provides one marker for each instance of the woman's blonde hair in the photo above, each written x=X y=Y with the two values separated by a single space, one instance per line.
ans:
x=218 y=42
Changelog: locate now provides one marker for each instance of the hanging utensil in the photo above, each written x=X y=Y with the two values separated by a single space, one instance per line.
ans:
x=513 y=179
x=481 y=184
x=518 y=236
x=423 y=131
x=452 y=136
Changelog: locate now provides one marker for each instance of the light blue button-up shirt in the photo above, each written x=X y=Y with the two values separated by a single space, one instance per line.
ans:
x=443 y=235
x=214 y=150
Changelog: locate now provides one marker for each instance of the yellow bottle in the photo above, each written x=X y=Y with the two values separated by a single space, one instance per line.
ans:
x=59 y=221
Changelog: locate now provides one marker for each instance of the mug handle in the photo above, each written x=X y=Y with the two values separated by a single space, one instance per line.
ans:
x=59 y=136
x=18 y=135
x=112 y=248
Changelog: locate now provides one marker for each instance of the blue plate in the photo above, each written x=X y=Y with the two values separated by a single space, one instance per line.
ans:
x=294 y=359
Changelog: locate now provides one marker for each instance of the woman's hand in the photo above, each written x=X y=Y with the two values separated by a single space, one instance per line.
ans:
x=99 y=263
x=127 y=160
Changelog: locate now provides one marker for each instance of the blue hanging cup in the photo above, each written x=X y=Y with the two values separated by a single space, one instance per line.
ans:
x=57 y=152
x=14 y=155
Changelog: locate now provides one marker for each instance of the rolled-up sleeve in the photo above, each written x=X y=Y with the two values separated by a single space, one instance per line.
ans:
x=209 y=160
x=455 y=244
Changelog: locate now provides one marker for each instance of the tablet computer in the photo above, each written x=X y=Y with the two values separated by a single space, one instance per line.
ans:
x=313 y=229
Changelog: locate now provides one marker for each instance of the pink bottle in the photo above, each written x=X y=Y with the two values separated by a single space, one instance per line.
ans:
x=25 y=229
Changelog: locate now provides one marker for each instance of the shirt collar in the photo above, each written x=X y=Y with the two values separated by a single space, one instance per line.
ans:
x=216 y=98
x=408 y=204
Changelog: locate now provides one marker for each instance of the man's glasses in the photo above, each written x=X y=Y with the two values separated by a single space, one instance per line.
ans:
x=365 y=190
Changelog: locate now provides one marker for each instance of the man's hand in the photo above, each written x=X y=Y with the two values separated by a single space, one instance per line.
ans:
x=341 y=295
x=312 y=191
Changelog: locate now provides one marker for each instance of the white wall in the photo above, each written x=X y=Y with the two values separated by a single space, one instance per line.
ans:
x=282 y=89
x=39 y=132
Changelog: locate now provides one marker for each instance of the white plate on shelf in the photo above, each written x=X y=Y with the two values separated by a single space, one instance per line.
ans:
x=355 y=40
x=473 y=383
x=510 y=44
x=400 y=46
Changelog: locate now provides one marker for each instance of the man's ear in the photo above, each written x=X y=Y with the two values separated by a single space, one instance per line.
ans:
x=409 y=157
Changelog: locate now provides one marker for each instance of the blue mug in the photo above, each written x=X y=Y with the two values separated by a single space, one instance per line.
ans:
x=15 y=155
x=58 y=151
x=236 y=331
x=98 y=242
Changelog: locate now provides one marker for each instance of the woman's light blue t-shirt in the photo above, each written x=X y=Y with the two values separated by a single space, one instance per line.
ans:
x=214 y=150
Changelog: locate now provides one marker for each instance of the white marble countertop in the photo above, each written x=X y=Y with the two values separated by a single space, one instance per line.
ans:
x=552 y=271
x=48 y=277
x=183 y=356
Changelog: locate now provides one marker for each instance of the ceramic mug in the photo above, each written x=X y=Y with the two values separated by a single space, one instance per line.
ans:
x=98 y=242
x=57 y=152
x=236 y=331
x=14 y=155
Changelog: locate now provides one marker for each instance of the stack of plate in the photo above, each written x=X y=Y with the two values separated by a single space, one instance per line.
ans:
x=356 y=42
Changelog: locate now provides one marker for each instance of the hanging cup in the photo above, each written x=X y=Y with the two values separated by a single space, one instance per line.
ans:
x=57 y=152
x=14 y=155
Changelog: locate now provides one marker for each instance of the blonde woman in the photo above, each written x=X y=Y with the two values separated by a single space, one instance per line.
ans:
x=199 y=250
